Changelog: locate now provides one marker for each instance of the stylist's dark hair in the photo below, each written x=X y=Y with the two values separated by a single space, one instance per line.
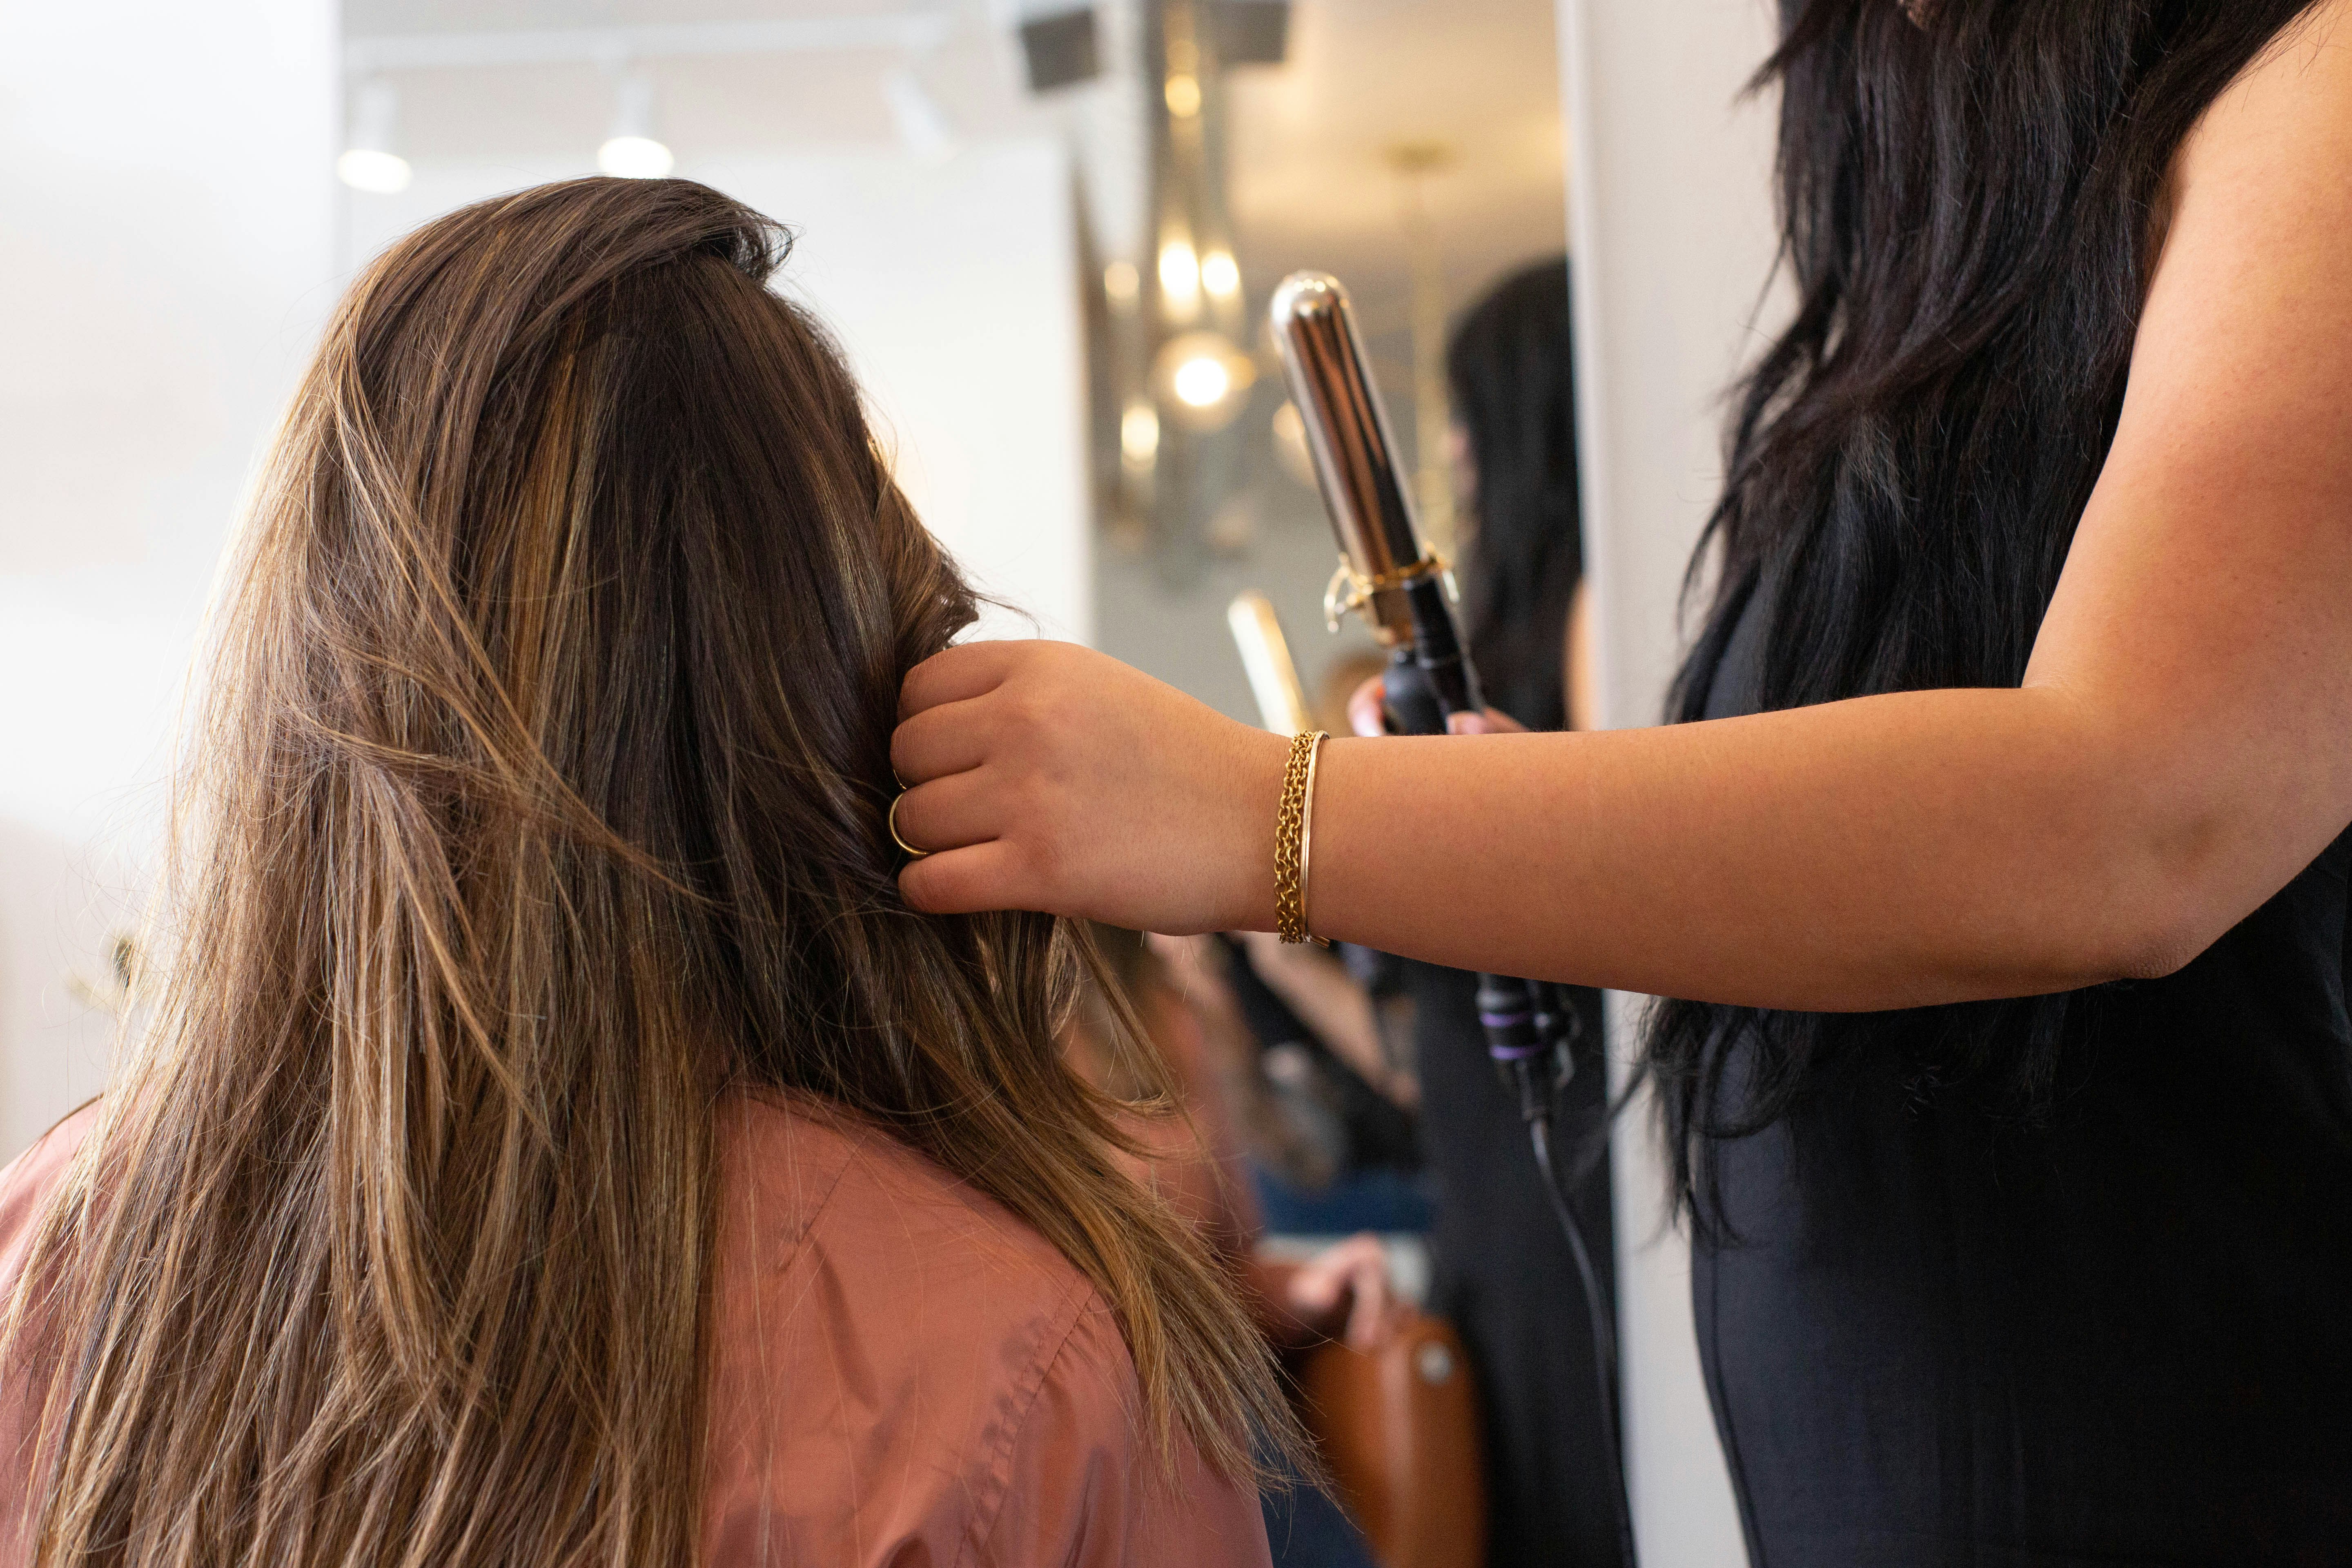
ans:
x=1510 y=373
x=1969 y=204
x=539 y=804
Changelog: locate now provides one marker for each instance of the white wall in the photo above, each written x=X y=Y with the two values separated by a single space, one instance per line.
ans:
x=953 y=287
x=166 y=229
x=1671 y=218
x=170 y=240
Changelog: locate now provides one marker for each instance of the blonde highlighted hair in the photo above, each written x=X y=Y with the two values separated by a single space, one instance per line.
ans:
x=540 y=804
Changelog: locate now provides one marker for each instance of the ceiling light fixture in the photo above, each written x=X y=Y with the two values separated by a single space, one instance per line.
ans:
x=922 y=124
x=367 y=162
x=1180 y=274
x=631 y=151
x=1202 y=379
x=1220 y=275
x=1139 y=435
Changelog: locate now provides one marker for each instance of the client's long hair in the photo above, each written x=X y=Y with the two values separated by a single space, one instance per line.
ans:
x=541 y=803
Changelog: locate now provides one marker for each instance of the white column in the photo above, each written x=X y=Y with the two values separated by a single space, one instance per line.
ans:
x=166 y=232
x=1671 y=221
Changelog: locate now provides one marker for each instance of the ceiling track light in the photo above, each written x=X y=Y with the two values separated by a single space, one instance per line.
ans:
x=923 y=126
x=632 y=151
x=370 y=162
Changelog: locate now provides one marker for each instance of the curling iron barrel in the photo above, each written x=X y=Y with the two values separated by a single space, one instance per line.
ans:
x=1385 y=569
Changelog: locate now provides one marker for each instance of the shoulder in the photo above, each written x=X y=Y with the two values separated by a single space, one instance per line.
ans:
x=798 y=1173
x=2281 y=121
x=26 y=1187
x=2250 y=288
x=903 y=1369
x=1090 y=1488
x=900 y=1364
x=27 y=1181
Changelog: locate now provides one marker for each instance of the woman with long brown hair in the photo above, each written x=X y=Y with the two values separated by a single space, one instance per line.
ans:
x=555 y=1142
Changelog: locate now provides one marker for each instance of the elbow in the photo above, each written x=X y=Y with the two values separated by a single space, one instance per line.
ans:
x=2164 y=948
x=2174 y=902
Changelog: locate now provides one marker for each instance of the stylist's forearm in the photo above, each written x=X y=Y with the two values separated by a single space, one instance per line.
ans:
x=1942 y=846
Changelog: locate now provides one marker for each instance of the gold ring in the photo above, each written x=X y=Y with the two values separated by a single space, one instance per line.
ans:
x=912 y=853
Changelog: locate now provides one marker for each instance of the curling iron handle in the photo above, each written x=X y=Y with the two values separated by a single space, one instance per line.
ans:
x=1430 y=678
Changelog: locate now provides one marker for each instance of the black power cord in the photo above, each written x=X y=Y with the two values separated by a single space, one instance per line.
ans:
x=1539 y=1076
x=1530 y=1026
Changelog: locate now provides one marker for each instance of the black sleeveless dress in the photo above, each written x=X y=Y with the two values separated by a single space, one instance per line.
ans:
x=2118 y=1334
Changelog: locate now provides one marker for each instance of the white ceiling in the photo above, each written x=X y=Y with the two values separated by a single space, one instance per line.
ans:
x=1309 y=183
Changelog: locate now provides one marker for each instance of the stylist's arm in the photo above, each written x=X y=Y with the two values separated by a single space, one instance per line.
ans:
x=2179 y=747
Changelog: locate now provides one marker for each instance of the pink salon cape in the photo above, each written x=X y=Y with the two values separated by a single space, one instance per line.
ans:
x=905 y=1375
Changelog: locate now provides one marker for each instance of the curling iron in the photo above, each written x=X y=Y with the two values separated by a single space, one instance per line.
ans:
x=1390 y=576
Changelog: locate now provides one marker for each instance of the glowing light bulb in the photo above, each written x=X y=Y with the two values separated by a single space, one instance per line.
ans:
x=634 y=158
x=1139 y=435
x=1220 y=275
x=1183 y=93
x=1180 y=270
x=1202 y=381
x=1121 y=282
x=371 y=169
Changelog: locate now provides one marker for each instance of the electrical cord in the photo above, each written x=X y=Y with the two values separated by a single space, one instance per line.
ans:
x=1537 y=1108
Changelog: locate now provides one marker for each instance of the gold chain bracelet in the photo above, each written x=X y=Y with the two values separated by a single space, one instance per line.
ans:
x=1291 y=845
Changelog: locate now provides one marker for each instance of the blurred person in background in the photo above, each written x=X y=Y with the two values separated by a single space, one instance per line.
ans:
x=1186 y=1013
x=1501 y=1271
x=550 y=1095
x=1333 y=1033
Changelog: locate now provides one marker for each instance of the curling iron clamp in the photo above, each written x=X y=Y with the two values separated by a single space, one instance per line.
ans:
x=1390 y=576
x=1386 y=573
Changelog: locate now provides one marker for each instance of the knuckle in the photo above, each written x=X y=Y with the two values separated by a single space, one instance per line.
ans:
x=1033 y=802
x=1044 y=861
x=1029 y=711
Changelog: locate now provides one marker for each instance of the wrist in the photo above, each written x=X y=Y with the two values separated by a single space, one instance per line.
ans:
x=1247 y=903
x=1319 y=849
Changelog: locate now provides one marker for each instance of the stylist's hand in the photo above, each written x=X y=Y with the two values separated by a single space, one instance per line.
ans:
x=1046 y=776
x=1364 y=716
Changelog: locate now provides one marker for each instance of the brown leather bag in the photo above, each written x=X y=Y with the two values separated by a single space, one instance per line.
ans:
x=1399 y=1428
